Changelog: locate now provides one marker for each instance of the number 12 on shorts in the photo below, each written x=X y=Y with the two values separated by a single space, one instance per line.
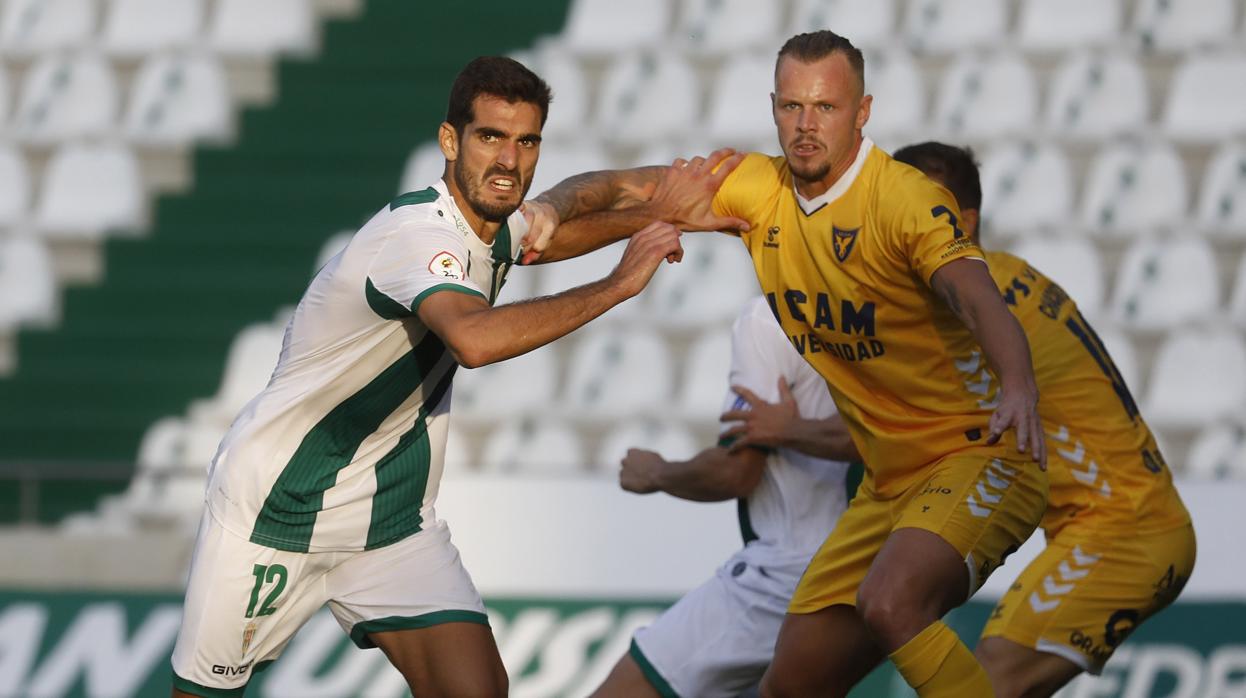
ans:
x=266 y=574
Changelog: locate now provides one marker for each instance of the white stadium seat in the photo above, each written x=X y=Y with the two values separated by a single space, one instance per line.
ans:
x=945 y=26
x=561 y=159
x=556 y=277
x=89 y=189
x=1166 y=282
x=1181 y=25
x=1222 y=201
x=1121 y=349
x=533 y=447
x=899 y=91
x=179 y=99
x=66 y=96
x=134 y=28
x=705 y=376
x=671 y=441
x=249 y=365
x=727 y=26
x=246 y=27
x=30 y=27
x=5 y=99
x=163 y=446
x=740 y=107
x=1199 y=376
x=424 y=166
x=1095 y=96
x=714 y=280
x=1205 y=103
x=1237 y=300
x=867 y=23
x=986 y=96
x=27 y=284
x=1025 y=185
x=522 y=385
x=1219 y=453
x=609 y=26
x=647 y=96
x=569 y=112
x=1133 y=188
x=616 y=374
x=1073 y=263
x=14 y=186
x=1060 y=25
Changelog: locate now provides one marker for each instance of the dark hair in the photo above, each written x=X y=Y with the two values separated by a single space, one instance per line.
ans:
x=816 y=45
x=954 y=166
x=497 y=76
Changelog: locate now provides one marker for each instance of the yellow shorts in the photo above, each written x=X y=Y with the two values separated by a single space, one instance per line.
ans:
x=985 y=507
x=1085 y=593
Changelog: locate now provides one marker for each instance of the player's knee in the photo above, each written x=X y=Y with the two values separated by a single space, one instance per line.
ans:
x=893 y=614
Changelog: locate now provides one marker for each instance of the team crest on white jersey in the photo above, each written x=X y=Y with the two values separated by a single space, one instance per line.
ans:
x=446 y=266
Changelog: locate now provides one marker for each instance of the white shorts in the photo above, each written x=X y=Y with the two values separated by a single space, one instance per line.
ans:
x=719 y=638
x=244 y=602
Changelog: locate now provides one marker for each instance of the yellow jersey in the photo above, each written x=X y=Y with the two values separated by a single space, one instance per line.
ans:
x=847 y=275
x=1105 y=467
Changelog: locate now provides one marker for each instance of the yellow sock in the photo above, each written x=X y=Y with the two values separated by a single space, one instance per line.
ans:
x=937 y=665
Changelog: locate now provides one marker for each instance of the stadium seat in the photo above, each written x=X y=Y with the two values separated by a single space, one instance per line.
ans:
x=1201 y=105
x=740 y=108
x=425 y=165
x=714 y=280
x=561 y=159
x=27 y=284
x=671 y=441
x=1095 y=96
x=163 y=446
x=947 y=26
x=14 y=186
x=5 y=98
x=1222 y=201
x=246 y=27
x=524 y=384
x=178 y=99
x=1025 y=185
x=899 y=91
x=1166 y=282
x=647 y=96
x=31 y=27
x=1073 y=263
x=88 y=189
x=868 y=23
x=1061 y=25
x=135 y=28
x=607 y=26
x=1199 y=376
x=1237 y=299
x=1134 y=188
x=248 y=367
x=1182 y=25
x=1121 y=349
x=986 y=96
x=615 y=374
x=726 y=26
x=560 y=276
x=67 y=96
x=533 y=447
x=571 y=94
x=1218 y=453
x=705 y=376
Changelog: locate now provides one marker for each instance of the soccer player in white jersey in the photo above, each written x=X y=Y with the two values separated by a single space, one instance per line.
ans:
x=322 y=490
x=718 y=639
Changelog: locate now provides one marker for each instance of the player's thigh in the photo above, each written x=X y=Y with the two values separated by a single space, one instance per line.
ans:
x=717 y=640
x=840 y=564
x=1084 y=594
x=243 y=604
x=415 y=601
x=627 y=680
x=822 y=653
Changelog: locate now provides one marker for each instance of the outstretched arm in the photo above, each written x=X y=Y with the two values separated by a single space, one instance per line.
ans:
x=477 y=334
x=965 y=285
x=779 y=425
x=712 y=475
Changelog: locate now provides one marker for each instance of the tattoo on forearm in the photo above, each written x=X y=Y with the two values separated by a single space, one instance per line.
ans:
x=596 y=191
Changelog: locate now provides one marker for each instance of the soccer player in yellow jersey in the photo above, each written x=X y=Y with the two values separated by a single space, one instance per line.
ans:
x=864 y=264
x=1120 y=544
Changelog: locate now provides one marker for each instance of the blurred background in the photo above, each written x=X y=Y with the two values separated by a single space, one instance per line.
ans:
x=173 y=172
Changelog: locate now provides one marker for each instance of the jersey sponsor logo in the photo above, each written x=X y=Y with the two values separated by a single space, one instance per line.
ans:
x=1119 y=626
x=852 y=320
x=446 y=266
x=843 y=240
x=772 y=237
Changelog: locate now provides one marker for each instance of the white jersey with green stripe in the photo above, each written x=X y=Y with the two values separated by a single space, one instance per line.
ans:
x=344 y=449
x=799 y=497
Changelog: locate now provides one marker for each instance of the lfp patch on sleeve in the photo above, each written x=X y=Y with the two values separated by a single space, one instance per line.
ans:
x=447 y=266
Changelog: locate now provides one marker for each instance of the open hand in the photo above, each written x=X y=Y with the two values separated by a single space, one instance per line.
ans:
x=685 y=194
x=762 y=423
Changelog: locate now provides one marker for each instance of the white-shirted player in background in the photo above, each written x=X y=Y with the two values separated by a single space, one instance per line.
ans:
x=322 y=491
x=719 y=638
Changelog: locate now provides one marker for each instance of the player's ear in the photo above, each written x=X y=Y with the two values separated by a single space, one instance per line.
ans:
x=448 y=139
x=969 y=221
x=863 y=112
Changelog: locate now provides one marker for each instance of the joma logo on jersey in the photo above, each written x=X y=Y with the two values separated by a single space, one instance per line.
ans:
x=843 y=241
